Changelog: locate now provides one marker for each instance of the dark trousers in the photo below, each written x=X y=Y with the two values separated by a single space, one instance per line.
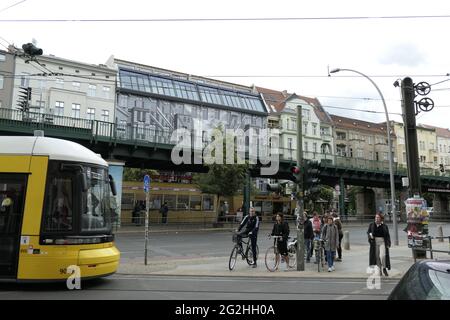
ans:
x=253 y=239
x=164 y=217
x=339 y=248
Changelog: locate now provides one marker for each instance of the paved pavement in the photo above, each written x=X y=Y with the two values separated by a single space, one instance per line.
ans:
x=354 y=264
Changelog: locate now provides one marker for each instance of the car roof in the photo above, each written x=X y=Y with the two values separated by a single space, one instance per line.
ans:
x=438 y=265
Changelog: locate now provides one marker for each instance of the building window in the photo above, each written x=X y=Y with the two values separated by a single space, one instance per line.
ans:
x=106 y=91
x=306 y=146
x=370 y=155
x=314 y=129
x=59 y=108
x=290 y=143
x=1 y=81
x=440 y=148
x=306 y=114
x=293 y=124
x=40 y=105
x=360 y=153
x=340 y=135
x=76 y=110
x=423 y=159
x=2 y=57
x=431 y=145
x=369 y=140
x=305 y=127
x=105 y=115
x=324 y=131
x=340 y=150
x=287 y=124
x=385 y=156
x=60 y=82
x=314 y=147
x=90 y=113
x=24 y=79
x=422 y=145
x=76 y=85
x=92 y=90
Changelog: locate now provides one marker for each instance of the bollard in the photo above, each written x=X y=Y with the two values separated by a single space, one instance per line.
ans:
x=440 y=233
x=346 y=240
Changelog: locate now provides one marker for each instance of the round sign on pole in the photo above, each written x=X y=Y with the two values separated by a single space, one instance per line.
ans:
x=146 y=183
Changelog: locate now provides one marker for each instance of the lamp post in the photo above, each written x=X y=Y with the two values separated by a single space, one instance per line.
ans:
x=388 y=129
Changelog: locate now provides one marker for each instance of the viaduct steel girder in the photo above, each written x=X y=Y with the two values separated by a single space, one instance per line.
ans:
x=142 y=154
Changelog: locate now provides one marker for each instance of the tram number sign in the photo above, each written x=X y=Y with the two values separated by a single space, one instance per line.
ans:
x=146 y=183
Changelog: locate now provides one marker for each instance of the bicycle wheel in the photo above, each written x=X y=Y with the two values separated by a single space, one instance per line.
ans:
x=272 y=259
x=321 y=263
x=233 y=258
x=292 y=252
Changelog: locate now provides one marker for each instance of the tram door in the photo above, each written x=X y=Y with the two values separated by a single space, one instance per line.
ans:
x=12 y=198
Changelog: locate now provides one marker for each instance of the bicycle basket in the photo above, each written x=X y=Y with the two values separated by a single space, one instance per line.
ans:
x=234 y=238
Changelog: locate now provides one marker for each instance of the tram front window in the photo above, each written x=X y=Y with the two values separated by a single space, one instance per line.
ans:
x=96 y=212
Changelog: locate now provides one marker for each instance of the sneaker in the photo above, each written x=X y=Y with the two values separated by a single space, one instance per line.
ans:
x=254 y=265
x=332 y=268
x=339 y=259
x=329 y=269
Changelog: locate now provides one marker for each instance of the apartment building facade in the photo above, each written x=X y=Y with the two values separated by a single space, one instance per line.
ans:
x=7 y=65
x=66 y=88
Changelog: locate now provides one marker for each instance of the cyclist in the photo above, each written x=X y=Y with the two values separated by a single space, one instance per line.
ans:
x=281 y=228
x=249 y=228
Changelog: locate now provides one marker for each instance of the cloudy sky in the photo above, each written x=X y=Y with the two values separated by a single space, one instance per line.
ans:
x=282 y=54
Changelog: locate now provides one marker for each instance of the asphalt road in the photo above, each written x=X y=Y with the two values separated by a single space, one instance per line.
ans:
x=218 y=243
x=202 y=288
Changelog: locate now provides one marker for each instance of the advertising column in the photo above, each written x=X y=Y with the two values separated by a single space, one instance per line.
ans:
x=417 y=228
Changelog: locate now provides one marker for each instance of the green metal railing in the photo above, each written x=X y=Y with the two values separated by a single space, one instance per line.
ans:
x=17 y=120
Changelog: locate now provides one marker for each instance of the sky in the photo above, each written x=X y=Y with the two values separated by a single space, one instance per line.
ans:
x=293 y=55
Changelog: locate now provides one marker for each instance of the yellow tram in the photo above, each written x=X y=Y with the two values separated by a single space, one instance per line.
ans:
x=56 y=210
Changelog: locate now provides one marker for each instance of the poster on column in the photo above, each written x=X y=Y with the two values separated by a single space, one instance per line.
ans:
x=417 y=219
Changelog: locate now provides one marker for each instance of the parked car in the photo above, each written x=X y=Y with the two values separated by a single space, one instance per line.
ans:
x=425 y=280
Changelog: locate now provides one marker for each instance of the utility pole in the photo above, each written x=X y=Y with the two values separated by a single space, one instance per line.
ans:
x=412 y=152
x=300 y=206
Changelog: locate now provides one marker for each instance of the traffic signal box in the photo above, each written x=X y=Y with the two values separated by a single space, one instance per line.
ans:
x=24 y=98
x=311 y=177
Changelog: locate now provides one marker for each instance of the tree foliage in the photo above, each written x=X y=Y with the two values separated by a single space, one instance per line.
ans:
x=136 y=174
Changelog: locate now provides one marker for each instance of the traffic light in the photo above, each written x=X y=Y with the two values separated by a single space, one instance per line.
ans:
x=296 y=174
x=311 y=177
x=32 y=50
x=441 y=168
x=24 y=97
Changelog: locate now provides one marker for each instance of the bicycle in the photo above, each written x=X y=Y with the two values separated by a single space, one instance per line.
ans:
x=272 y=258
x=246 y=254
x=292 y=252
x=319 y=251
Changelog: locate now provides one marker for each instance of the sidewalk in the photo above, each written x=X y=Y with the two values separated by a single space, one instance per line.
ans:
x=354 y=265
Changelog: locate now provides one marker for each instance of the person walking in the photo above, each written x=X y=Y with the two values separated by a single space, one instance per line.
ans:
x=380 y=242
x=330 y=236
x=281 y=228
x=249 y=227
x=164 y=211
x=338 y=223
x=309 y=236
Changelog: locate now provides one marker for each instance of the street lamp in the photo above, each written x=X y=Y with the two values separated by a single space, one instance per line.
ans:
x=388 y=129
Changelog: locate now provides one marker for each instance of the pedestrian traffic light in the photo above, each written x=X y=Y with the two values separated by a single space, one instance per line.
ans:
x=311 y=177
x=296 y=174
x=441 y=168
x=32 y=50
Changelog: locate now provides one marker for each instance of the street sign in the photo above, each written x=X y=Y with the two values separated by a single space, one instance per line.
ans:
x=147 y=183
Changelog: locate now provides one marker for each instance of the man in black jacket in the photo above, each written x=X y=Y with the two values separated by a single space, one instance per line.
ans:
x=249 y=227
x=309 y=236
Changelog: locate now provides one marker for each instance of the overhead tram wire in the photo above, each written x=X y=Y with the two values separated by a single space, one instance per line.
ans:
x=231 y=19
x=13 y=5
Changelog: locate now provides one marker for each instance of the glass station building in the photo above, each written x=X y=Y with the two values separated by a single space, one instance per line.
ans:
x=156 y=101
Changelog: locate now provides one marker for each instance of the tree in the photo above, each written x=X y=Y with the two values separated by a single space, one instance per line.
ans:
x=223 y=180
x=136 y=174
